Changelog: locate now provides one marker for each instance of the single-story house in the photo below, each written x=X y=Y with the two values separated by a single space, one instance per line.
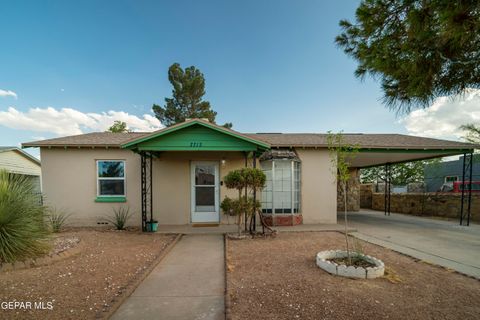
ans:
x=175 y=174
x=15 y=160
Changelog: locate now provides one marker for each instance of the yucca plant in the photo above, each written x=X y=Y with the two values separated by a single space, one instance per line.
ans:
x=57 y=219
x=120 y=217
x=23 y=229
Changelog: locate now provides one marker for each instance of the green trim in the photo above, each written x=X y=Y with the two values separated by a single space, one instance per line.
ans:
x=212 y=148
x=110 y=199
x=258 y=144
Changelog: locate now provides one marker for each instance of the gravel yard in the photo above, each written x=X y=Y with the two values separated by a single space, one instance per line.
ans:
x=277 y=278
x=82 y=286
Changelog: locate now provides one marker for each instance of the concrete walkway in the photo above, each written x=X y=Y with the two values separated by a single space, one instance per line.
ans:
x=189 y=283
x=437 y=241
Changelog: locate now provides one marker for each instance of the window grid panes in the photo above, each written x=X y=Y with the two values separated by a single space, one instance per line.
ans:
x=111 y=178
x=281 y=194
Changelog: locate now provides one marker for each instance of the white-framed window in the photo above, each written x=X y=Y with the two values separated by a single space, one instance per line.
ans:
x=450 y=179
x=111 y=178
x=281 y=194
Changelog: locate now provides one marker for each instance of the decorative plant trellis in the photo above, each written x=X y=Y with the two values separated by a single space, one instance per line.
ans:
x=147 y=197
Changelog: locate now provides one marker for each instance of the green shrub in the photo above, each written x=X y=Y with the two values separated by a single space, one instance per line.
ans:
x=120 y=217
x=57 y=219
x=23 y=229
x=228 y=206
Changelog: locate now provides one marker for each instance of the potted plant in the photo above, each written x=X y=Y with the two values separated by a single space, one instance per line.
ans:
x=152 y=225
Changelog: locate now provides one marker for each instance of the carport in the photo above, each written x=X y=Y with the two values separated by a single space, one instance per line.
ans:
x=416 y=149
x=386 y=149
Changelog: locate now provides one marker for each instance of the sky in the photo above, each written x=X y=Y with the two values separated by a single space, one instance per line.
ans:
x=71 y=67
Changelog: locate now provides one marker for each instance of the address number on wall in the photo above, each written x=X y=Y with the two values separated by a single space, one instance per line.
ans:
x=195 y=144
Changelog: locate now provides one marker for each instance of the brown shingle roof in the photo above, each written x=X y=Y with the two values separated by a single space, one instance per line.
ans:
x=94 y=139
x=374 y=141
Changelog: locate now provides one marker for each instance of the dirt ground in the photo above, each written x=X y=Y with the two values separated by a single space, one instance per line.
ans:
x=82 y=286
x=277 y=278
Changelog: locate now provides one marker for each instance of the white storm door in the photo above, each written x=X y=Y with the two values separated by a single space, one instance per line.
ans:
x=205 y=191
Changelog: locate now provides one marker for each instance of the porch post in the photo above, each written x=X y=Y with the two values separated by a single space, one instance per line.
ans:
x=146 y=187
x=151 y=188
x=143 y=190
x=246 y=166
x=254 y=194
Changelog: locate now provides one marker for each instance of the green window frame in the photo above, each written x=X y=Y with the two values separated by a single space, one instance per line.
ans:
x=111 y=180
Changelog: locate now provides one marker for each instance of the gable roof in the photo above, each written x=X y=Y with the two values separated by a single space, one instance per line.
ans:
x=93 y=139
x=237 y=136
x=21 y=152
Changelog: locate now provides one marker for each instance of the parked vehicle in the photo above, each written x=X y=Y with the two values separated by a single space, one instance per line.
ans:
x=457 y=186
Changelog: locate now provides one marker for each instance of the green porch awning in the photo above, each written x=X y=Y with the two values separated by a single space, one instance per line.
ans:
x=196 y=135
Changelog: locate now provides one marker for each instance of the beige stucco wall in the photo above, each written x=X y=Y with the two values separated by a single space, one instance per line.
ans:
x=69 y=183
x=172 y=189
x=319 y=189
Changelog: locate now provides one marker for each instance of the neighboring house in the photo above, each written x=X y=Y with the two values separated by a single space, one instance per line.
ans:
x=17 y=161
x=436 y=175
x=175 y=174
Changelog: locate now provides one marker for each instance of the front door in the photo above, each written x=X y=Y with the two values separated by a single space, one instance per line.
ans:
x=205 y=191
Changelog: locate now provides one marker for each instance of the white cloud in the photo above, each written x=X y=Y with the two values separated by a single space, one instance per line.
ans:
x=8 y=93
x=444 y=117
x=68 y=121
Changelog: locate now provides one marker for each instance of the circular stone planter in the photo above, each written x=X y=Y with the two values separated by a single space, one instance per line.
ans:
x=323 y=262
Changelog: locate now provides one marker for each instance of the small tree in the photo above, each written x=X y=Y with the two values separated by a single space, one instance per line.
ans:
x=245 y=181
x=234 y=180
x=341 y=153
x=118 y=127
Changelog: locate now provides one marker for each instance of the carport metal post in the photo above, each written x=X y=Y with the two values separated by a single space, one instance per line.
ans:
x=387 y=188
x=469 y=184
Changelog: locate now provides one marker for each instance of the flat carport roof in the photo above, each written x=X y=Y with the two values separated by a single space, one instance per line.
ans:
x=375 y=157
x=374 y=149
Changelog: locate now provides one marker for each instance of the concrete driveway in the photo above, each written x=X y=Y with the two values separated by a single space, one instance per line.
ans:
x=445 y=243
